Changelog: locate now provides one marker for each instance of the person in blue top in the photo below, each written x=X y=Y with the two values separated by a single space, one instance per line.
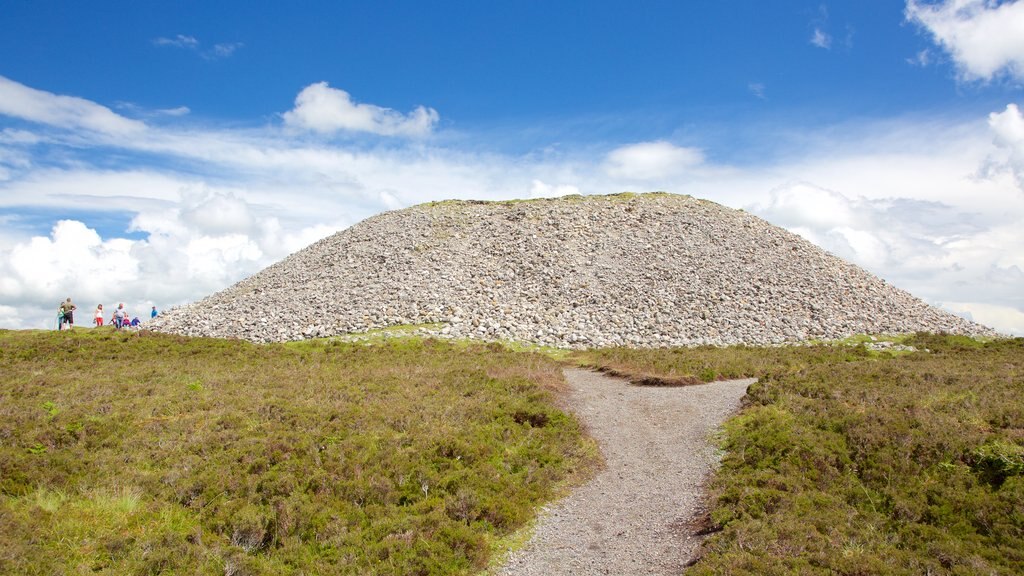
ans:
x=153 y=313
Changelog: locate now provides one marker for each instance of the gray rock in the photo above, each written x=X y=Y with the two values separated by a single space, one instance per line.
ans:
x=641 y=270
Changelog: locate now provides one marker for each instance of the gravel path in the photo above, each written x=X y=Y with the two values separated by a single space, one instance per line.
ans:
x=632 y=517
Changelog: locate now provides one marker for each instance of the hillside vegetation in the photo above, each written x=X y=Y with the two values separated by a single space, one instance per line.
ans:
x=142 y=454
x=847 y=461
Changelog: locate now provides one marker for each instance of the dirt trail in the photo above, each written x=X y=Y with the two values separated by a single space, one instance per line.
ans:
x=632 y=517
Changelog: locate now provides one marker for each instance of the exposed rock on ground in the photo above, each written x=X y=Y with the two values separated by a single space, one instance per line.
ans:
x=635 y=270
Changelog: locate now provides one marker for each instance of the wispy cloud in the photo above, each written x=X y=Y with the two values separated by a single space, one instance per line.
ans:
x=820 y=39
x=68 y=112
x=757 y=89
x=179 y=41
x=178 y=111
x=225 y=50
x=191 y=43
x=923 y=58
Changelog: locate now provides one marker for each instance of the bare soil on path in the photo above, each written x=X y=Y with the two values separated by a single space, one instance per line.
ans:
x=636 y=515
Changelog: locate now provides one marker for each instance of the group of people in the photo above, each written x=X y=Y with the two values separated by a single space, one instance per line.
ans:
x=119 y=319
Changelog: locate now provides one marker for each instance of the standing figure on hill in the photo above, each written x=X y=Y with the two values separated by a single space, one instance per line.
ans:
x=99 y=315
x=153 y=313
x=67 y=310
x=120 y=316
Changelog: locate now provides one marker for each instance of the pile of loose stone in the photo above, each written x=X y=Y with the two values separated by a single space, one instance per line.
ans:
x=623 y=270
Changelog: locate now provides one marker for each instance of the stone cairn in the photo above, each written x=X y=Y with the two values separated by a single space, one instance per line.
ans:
x=638 y=270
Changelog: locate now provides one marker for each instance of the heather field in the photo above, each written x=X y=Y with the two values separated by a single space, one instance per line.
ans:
x=137 y=453
x=849 y=461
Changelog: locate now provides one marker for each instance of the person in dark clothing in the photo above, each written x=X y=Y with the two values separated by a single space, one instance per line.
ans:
x=67 y=310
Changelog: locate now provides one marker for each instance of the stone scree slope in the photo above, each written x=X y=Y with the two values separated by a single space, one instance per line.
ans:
x=643 y=270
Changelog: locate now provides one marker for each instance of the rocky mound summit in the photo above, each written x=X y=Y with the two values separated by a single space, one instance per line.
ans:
x=636 y=270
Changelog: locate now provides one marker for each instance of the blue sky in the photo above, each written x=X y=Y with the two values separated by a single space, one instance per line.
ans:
x=155 y=152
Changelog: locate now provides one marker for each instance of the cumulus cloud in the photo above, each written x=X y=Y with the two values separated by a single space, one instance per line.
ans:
x=73 y=255
x=217 y=213
x=1008 y=132
x=651 y=160
x=932 y=249
x=327 y=110
x=66 y=112
x=985 y=38
x=201 y=243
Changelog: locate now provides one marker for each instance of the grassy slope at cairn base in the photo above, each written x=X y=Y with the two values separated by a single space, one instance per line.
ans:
x=142 y=453
x=852 y=462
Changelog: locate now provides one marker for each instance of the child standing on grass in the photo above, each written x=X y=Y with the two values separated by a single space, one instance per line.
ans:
x=99 y=315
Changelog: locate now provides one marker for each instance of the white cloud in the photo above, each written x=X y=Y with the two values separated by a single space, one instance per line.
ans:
x=326 y=110
x=217 y=213
x=74 y=255
x=757 y=89
x=984 y=37
x=1008 y=131
x=939 y=252
x=66 y=112
x=651 y=160
x=1010 y=320
x=9 y=316
x=539 y=189
x=821 y=39
x=801 y=203
x=902 y=198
